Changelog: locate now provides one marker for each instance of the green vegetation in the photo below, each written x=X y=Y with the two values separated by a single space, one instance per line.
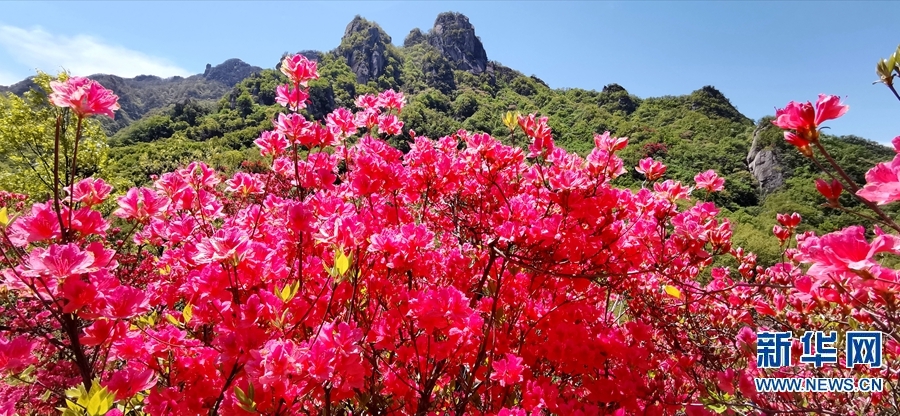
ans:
x=27 y=130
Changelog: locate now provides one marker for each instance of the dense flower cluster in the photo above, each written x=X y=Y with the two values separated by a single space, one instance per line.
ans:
x=460 y=278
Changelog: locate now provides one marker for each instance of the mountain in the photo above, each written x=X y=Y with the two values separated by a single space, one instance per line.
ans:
x=142 y=94
x=450 y=84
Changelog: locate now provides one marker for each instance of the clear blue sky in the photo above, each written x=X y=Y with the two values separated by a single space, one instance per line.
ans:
x=759 y=54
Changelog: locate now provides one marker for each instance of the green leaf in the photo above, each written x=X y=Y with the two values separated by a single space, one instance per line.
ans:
x=673 y=291
x=187 y=313
x=94 y=404
x=284 y=293
x=341 y=262
x=242 y=398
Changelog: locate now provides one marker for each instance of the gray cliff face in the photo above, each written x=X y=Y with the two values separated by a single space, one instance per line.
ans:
x=765 y=164
x=454 y=37
x=364 y=45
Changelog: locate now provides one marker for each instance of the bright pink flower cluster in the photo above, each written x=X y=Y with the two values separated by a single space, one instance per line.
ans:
x=84 y=96
x=458 y=278
x=801 y=121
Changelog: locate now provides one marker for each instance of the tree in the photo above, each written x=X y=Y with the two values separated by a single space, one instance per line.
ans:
x=27 y=128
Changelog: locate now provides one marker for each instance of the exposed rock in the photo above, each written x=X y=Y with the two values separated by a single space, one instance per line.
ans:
x=455 y=38
x=311 y=55
x=230 y=72
x=364 y=45
x=414 y=37
x=764 y=163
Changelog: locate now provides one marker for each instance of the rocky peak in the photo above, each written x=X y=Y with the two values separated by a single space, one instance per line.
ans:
x=614 y=97
x=230 y=72
x=455 y=38
x=414 y=37
x=764 y=160
x=710 y=101
x=363 y=45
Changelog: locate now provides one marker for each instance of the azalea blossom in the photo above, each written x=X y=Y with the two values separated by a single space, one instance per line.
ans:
x=883 y=181
x=271 y=143
x=464 y=276
x=292 y=98
x=90 y=191
x=710 y=181
x=508 y=370
x=84 y=96
x=299 y=69
x=830 y=190
x=651 y=169
x=805 y=119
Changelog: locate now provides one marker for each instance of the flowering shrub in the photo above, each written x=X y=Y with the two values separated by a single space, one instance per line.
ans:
x=464 y=277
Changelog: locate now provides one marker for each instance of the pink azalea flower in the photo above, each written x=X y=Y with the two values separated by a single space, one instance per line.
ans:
x=244 y=184
x=391 y=99
x=389 y=124
x=85 y=97
x=341 y=122
x=41 y=225
x=90 y=191
x=317 y=135
x=611 y=144
x=366 y=102
x=806 y=120
x=843 y=251
x=292 y=126
x=140 y=204
x=539 y=131
x=789 y=221
x=16 y=355
x=292 y=98
x=710 y=181
x=229 y=245
x=299 y=69
x=125 y=302
x=271 y=143
x=59 y=262
x=651 y=169
x=830 y=190
x=508 y=370
x=130 y=381
x=883 y=182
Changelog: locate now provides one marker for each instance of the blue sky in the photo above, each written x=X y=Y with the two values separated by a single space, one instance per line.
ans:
x=759 y=54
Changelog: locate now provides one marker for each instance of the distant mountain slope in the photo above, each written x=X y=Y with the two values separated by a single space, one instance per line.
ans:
x=142 y=94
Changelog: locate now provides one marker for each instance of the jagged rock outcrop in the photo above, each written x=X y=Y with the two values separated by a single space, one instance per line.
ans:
x=454 y=36
x=414 y=37
x=311 y=55
x=614 y=98
x=764 y=162
x=363 y=46
x=230 y=72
